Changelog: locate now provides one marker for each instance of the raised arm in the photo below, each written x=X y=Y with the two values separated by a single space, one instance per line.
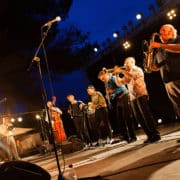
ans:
x=175 y=48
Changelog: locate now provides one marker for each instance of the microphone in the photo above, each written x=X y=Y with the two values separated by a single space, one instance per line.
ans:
x=49 y=23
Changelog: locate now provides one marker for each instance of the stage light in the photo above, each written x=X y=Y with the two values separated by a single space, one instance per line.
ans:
x=126 y=45
x=116 y=34
x=95 y=49
x=38 y=116
x=139 y=125
x=12 y=120
x=159 y=121
x=139 y=16
x=20 y=119
x=171 y=14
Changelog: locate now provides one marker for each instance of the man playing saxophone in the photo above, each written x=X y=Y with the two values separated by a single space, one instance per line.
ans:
x=167 y=59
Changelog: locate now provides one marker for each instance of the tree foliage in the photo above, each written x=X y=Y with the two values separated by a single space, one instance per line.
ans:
x=20 y=26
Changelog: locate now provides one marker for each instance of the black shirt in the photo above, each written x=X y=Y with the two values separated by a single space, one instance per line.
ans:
x=75 y=110
x=169 y=63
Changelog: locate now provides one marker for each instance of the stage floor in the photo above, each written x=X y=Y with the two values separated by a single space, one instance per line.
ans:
x=123 y=161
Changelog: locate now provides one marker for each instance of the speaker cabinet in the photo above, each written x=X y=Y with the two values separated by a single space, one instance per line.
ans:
x=21 y=170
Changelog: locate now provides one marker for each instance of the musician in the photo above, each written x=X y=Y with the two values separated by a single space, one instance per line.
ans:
x=98 y=103
x=8 y=140
x=134 y=78
x=79 y=119
x=120 y=95
x=167 y=59
x=57 y=124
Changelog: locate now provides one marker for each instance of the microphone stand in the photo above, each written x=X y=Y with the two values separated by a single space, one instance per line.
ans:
x=44 y=96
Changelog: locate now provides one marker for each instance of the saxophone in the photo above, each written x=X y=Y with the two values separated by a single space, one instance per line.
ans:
x=148 y=63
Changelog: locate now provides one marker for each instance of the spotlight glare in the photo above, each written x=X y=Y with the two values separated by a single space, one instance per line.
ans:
x=20 y=119
x=38 y=116
x=159 y=121
x=126 y=45
x=139 y=16
x=95 y=49
x=171 y=14
x=12 y=120
x=115 y=34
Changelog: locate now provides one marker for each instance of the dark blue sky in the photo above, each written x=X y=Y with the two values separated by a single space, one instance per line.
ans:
x=101 y=18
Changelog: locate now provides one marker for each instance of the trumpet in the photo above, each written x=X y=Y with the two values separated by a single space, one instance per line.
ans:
x=148 y=63
x=111 y=70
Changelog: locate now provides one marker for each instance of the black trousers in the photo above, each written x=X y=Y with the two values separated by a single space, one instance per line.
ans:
x=81 y=128
x=91 y=122
x=123 y=113
x=102 y=123
x=143 y=115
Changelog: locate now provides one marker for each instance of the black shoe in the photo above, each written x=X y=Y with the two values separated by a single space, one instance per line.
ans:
x=132 y=140
x=97 y=144
x=127 y=139
x=152 y=139
x=147 y=141
x=155 y=138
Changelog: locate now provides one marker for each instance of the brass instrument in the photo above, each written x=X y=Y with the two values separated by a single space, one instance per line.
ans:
x=148 y=60
x=111 y=70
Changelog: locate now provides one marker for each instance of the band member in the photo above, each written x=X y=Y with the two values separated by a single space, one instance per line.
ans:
x=77 y=114
x=120 y=95
x=167 y=59
x=8 y=140
x=98 y=103
x=134 y=78
x=57 y=124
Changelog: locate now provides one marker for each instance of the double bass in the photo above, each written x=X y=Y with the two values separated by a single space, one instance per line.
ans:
x=57 y=124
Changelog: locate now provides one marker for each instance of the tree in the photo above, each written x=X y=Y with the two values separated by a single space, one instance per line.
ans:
x=20 y=35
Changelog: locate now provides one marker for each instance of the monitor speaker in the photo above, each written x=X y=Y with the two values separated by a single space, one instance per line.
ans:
x=17 y=170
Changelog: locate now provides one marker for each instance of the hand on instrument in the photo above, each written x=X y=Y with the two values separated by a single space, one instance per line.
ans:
x=155 y=45
x=91 y=105
x=117 y=70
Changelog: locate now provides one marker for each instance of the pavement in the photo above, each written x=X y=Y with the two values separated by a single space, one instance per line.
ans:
x=121 y=161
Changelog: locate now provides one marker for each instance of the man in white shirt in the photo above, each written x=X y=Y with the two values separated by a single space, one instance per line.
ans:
x=8 y=140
